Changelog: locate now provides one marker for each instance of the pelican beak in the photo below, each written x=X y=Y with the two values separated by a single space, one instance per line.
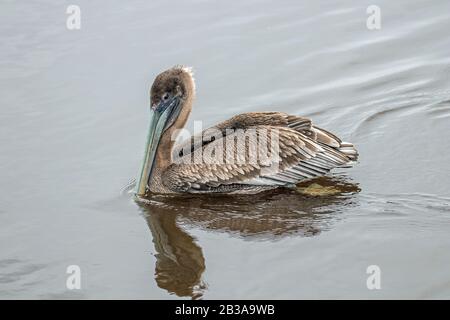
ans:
x=162 y=117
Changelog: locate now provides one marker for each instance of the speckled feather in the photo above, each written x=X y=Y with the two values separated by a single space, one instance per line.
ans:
x=305 y=151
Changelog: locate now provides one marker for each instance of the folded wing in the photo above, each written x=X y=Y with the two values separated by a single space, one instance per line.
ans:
x=278 y=150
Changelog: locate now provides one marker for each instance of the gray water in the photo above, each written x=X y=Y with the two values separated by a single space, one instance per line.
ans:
x=73 y=118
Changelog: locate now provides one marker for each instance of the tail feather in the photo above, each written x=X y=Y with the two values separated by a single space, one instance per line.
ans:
x=349 y=150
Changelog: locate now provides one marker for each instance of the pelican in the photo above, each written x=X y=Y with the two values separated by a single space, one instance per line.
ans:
x=295 y=149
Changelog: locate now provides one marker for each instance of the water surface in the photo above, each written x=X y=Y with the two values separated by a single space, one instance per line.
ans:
x=73 y=119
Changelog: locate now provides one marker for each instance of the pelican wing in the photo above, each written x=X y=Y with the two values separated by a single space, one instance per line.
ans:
x=294 y=150
x=301 y=124
x=278 y=119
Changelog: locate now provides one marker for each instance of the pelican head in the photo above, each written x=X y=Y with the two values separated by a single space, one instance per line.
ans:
x=171 y=97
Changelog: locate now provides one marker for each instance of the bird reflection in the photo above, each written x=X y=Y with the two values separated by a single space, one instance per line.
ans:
x=266 y=216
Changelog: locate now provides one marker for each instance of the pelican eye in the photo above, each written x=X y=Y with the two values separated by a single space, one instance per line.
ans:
x=165 y=96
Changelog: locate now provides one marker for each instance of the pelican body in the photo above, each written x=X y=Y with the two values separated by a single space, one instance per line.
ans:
x=230 y=156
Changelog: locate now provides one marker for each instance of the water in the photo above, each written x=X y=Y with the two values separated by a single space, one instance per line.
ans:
x=73 y=119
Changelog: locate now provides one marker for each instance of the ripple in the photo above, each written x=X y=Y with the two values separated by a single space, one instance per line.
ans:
x=440 y=110
x=17 y=275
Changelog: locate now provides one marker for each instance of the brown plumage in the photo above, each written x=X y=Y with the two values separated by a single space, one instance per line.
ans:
x=285 y=149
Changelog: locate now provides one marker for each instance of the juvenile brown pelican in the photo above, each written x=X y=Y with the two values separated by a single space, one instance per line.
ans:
x=295 y=150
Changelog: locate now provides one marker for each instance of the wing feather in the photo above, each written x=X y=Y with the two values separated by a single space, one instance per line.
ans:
x=304 y=151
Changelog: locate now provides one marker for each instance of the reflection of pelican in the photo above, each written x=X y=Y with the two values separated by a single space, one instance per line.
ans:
x=270 y=215
x=180 y=263
x=293 y=149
